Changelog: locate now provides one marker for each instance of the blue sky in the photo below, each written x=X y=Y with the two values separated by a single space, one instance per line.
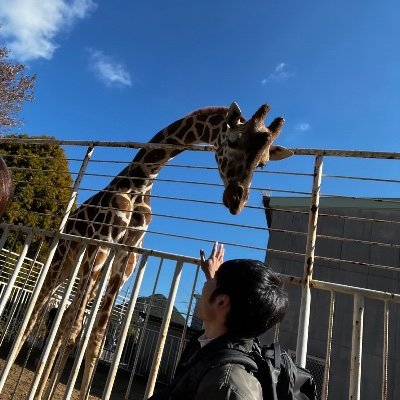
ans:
x=122 y=70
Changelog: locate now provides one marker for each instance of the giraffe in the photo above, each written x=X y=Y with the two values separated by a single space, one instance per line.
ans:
x=121 y=213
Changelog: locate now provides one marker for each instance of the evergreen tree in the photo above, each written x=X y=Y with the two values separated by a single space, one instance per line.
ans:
x=42 y=187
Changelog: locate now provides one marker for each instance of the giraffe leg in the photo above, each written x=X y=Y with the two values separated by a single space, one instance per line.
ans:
x=50 y=362
x=119 y=275
x=52 y=281
x=35 y=317
x=66 y=339
x=71 y=325
x=95 y=343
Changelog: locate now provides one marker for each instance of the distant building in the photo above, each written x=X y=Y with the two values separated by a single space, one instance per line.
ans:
x=145 y=330
x=196 y=323
x=373 y=232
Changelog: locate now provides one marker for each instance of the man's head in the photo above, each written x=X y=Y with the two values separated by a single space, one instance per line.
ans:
x=251 y=293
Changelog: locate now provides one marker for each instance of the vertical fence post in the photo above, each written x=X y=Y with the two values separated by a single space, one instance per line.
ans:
x=136 y=349
x=76 y=186
x=163 y=331
x=385 y=350
x=356 y=347
x=325 y=385
x=10 y=284
x=304 y=319
x=125 y=328
x=182 y=340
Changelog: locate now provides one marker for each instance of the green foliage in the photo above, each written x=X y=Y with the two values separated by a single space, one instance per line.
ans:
x=42 y=186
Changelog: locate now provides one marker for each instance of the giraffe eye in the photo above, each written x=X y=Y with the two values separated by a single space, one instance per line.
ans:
x=234 y=138
x=232 y=144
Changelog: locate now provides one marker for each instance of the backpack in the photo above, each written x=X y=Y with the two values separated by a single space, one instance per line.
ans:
x=280 y=377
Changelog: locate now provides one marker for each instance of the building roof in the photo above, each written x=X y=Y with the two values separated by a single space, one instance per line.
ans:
x=333 y=202
x=158 y=305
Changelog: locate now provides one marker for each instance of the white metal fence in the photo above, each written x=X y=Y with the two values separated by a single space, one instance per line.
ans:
x=187 y=215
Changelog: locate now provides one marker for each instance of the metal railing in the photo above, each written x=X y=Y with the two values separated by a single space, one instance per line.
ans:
x=130 y=326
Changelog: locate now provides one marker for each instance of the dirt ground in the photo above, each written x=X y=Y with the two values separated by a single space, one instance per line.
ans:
x=19 y=381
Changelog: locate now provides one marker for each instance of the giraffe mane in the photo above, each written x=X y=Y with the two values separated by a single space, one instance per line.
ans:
x=212 y=110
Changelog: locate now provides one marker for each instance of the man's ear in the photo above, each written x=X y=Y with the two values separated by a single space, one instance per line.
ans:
x=223 y=301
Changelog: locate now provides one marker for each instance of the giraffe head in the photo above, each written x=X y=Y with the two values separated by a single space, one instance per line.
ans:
x=242 y=147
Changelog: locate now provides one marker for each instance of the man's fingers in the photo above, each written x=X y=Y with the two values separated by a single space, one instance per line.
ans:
x=202 y=255
x=214 y=249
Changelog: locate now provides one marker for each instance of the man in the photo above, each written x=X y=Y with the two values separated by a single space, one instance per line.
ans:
x=241 y=299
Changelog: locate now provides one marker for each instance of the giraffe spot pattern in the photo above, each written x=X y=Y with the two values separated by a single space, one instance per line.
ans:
x=121 y=202
x=154 y=156
x=199 y=128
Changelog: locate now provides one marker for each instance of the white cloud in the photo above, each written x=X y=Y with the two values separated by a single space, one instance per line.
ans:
x=302 y=126
x=279 y=74
x=108 y=71
x=30 y=27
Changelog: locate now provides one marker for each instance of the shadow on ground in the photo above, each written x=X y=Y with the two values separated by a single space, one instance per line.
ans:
x=22 y=373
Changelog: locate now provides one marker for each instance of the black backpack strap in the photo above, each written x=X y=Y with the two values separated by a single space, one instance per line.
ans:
x=282 y=376
x=273 y=353
x=268 y=359
x=261 y=367
x=277 y=356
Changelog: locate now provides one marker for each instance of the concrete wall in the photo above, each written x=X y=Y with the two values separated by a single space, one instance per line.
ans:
x=370 y=230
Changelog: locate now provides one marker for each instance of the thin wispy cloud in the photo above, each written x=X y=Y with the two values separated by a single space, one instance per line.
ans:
x=302 y=126
x=280 y=74
x=110 y=72
x=30 y=27
x=297 y=133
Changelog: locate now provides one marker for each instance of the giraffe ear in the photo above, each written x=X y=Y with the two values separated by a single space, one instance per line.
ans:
x=277 y=153
x=233 y=116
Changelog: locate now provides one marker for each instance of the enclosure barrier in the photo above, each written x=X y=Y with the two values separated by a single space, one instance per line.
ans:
x=15 y=299
x=356 y=349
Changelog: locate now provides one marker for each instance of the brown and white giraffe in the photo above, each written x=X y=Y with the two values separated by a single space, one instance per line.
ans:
x=121 y=214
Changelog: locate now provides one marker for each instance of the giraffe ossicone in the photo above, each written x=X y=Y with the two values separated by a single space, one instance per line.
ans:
x=121 y=213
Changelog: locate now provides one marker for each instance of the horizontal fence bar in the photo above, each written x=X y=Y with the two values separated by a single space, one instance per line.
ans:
x=90 y=143
x=136 y=145
x=347 y=153
x=344 y=289
x=119 y=246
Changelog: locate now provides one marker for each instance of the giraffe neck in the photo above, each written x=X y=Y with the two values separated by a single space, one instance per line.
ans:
x=202 y=126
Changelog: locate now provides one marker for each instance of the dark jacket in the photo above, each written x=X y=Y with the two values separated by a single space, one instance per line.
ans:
x=194 y=380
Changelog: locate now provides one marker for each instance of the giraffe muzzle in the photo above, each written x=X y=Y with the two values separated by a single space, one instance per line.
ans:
x=235 y=198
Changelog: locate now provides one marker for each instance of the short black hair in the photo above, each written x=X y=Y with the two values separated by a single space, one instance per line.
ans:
x=257 y=298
